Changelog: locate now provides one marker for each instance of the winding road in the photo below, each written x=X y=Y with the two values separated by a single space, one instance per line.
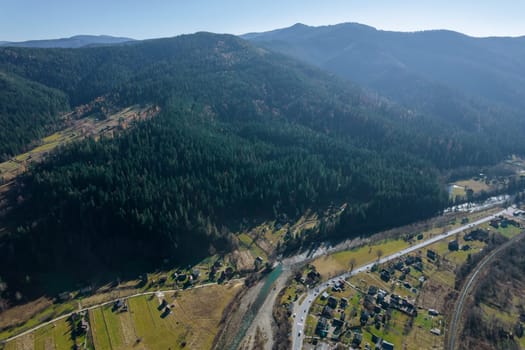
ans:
x=302 y=309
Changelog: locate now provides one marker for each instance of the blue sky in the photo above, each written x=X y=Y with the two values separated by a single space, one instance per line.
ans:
x=140 y=19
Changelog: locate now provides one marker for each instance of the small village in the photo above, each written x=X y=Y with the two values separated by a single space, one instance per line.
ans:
x=379 y=308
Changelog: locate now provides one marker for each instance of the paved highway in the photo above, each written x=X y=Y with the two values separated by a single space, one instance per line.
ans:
x=302 y=309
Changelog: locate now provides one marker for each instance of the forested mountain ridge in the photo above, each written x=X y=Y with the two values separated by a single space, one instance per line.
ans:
x=72 y=42
x=472 y=84
x=244 y=134
x=28 y=111
x=158 y=70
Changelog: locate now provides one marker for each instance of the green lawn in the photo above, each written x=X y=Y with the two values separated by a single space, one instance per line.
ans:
x=339 y=262
x=57 y=334
x=155 y=332
x=106 y=327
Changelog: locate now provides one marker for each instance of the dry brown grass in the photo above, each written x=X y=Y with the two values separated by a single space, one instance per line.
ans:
x=22 y=313
x=476 y=186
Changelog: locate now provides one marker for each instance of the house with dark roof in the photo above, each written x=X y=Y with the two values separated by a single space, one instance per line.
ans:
x=432 y=255
x=332 y=302
x=322 y=327
x=327 y=312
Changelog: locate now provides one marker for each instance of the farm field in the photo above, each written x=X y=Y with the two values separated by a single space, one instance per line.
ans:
x=54 y=336
x=192 y=323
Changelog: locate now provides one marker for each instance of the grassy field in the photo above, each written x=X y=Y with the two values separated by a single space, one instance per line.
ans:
x=48 y=313
x=106 y=328
x=56 y=336
x=193 y=323
x=476 y=186
x=337 y=263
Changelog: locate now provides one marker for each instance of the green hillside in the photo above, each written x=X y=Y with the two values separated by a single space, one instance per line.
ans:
x=244 y=135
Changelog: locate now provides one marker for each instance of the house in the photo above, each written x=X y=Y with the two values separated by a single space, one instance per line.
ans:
x=313 y=275
x=494 y=223
x=358 y=338
x=380 y=297
x=399 y=265
x=338 y=323
x=118 y=303
x=410 y=260
x=372 y=290
x=394 y=298
x=479 y=235
x=364 y=317
x=332 y=302
x=465 y=247
x=84 y=325
x=435 y=331
x=336 y=289
x=432 y=255
x=453 y=245
x=433 y=312
x=229 y=272
x=324 y=296
x=327 y=312
x=343 y=302
x=195 y=274
x=387 y=346
x=322 y=327
x=385 y=275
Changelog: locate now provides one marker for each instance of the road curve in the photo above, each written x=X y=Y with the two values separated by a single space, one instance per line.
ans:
x=302 y=309
x=467 y=288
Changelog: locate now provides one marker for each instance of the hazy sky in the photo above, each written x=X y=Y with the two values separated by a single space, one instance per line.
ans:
x=140 y=19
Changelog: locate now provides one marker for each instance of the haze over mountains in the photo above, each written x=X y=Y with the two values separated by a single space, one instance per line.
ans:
x=72 y=42
x=467 y=81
